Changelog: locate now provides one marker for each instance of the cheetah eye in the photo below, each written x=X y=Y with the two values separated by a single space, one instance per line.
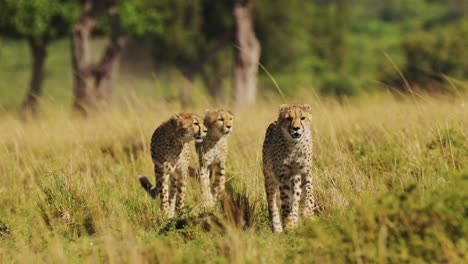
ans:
x=289 y=118
x=221 y=119
x=195 y=123
x=303 y=118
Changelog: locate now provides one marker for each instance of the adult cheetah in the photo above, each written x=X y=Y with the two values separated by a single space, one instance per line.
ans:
x=212 y=153
x=170 y=151
x=287 y=165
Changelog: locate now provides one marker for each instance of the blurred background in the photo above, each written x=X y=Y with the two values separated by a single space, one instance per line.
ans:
x=89 y=53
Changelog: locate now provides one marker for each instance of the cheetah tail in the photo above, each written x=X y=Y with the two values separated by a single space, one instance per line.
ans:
x=146 y=184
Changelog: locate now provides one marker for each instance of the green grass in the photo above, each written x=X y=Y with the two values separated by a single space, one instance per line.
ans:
x=390 y=179
x=391 y=176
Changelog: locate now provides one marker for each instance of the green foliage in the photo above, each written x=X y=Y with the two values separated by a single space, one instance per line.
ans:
x=334 y=45
x=441 y=51
x=284 y=38
x=311 y=45
x=196 y=40
x=414 y=14
x=314 y=35
x=379 y=28
x=141 y=17
x=409 y=226
x=181 y=40
x=195 y=32
x=338 y=85
x=55 y=19
x=37 y=19
x=431 y=55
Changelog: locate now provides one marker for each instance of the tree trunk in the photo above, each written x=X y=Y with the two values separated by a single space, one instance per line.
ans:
x=93 y=81
x=38 y=48
x=246 y=55
x=197 y=67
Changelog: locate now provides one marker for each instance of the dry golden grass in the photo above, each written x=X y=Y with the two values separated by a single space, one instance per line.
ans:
x=69 y=192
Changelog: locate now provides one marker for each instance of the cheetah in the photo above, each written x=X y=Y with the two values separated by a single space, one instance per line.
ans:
x=287 y=165
x=170 y=151
x=212 y=153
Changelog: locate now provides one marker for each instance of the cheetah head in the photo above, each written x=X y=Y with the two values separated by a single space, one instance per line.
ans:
x=218 y=121
x=294 y=120
x=189 y=126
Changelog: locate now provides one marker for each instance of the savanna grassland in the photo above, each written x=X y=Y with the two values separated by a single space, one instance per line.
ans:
x=391 y=181
x=386 y=81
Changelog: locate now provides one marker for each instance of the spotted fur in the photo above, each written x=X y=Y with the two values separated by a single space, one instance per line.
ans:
x=287 y=165
x=212 y=154
x=170 y=151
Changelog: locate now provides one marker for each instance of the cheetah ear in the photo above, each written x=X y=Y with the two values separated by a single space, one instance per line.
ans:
x=306 y=107
x=283 y=107
x=209 y=115
x=179 y=120
x=308 y=110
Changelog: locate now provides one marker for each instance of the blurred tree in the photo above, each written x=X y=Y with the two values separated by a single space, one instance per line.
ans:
x=286 y=40
x=93 y=81
x=430 y=56
x=246 y=54
x=196 y=40
x=217 y=28
x=195 y=31
x=329 y=33
x=39 y=22
x=312 y=43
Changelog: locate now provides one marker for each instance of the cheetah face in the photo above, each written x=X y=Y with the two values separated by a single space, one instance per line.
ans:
x=220 y=122
x=294 y=120
x=190 y=126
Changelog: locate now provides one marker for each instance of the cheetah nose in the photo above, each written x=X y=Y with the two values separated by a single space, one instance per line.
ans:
x=296 y=128
x=229 y=127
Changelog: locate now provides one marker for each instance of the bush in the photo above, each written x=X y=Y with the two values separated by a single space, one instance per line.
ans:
x=338 y=85
x=64 y=207
x=431 y=55
x=416 y=225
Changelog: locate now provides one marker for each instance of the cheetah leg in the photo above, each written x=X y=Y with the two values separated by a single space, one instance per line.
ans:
x=181 y=188
x=162 y=188
x=271 y=188
x=295 y=197
x=285 y=196
x=220 y=182
x=172 y=195
x=309 y=202
x=207 y=199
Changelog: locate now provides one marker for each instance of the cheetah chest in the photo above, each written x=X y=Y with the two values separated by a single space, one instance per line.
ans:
x=216 y=153
x=295 y=159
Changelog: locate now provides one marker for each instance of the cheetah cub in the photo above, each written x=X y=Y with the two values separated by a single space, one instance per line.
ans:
x=212 y=153
x=287 y=165
x=170 y=151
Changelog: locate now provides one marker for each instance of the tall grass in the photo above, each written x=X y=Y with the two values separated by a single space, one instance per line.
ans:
x=390 y=181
